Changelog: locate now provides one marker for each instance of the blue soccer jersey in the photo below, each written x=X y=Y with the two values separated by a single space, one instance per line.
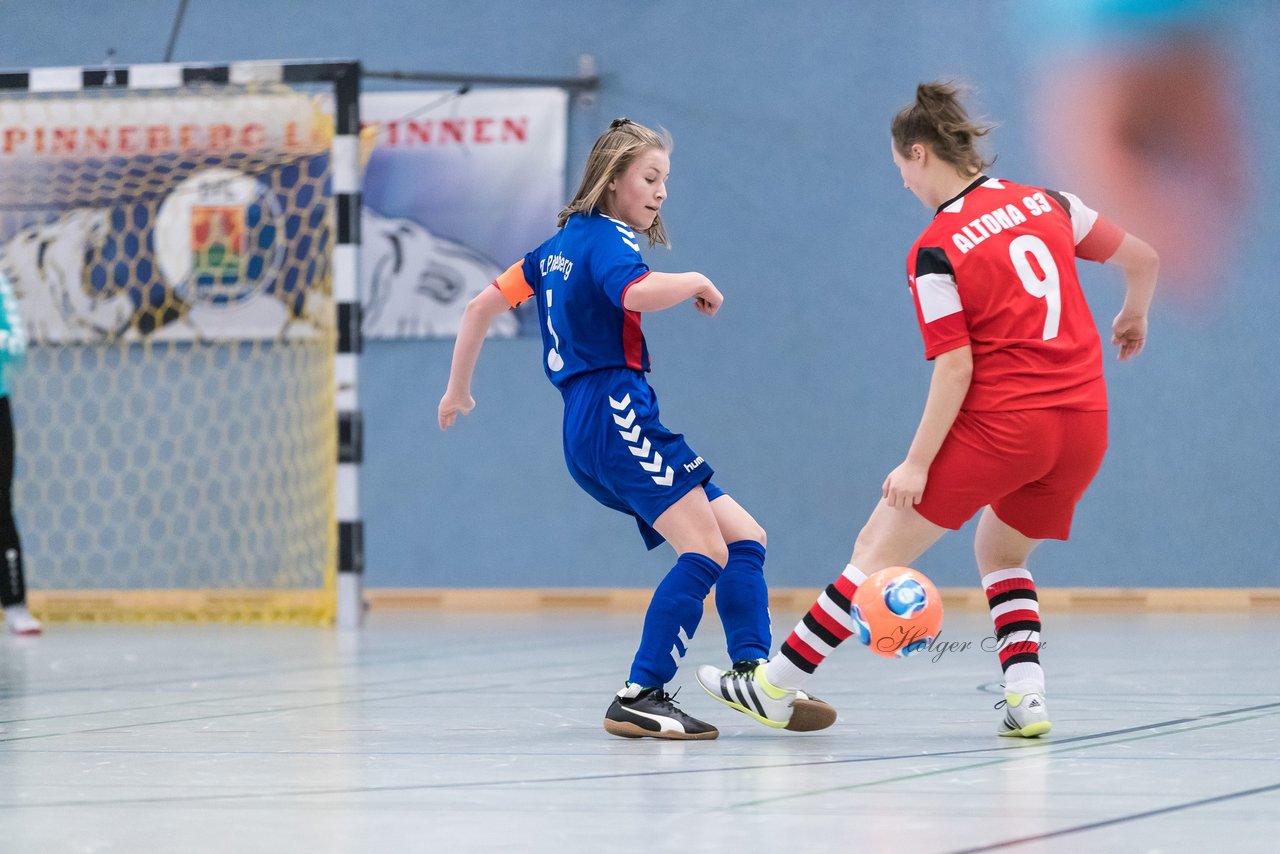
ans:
x=579 y=277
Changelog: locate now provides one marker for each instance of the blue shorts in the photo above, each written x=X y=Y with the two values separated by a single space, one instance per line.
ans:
x=619 y=452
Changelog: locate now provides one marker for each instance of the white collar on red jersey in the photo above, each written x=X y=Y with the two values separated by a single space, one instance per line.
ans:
x=954 y=204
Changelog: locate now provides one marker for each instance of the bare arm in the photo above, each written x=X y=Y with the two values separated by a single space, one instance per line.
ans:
x=1141 y=265
x=659 y=291
x=476 y=318
x=952 y=373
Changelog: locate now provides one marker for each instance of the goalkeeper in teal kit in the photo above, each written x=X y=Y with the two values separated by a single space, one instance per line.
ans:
x=13 y=588
x=591 y=288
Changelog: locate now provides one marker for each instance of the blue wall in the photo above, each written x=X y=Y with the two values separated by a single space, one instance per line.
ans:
x=805 y=390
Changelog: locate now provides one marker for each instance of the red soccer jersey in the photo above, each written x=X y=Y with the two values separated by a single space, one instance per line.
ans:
x=996 y=270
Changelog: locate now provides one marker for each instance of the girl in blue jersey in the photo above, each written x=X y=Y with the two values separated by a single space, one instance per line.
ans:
x=592 y=287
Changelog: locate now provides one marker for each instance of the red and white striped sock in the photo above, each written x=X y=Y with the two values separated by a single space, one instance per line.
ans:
x=825 y=627
x=1015 y=610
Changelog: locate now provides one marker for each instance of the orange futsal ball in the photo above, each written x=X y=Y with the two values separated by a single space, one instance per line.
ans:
x=897 y=612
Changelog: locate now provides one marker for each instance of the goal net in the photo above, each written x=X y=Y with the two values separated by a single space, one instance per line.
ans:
x=170 y=251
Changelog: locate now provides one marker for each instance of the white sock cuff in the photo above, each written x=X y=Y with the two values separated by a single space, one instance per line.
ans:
x=1025 y=677
x=1005 y=575
x=781 y=673
x=854 y=574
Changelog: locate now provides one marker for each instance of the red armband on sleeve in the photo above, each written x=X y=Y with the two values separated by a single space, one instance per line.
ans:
x=513 y=285
x=1101 y=242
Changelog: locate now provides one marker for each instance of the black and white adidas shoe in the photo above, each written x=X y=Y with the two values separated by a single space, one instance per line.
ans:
x=808 y=713
x=652 y=713
x=1025 y=715
x=746 y=689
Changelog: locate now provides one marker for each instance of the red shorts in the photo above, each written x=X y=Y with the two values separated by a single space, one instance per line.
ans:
x=1031 y=466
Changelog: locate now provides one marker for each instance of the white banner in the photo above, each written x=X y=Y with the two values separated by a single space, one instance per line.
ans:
x=458 y=188
x=183 y=216
x=208 y=216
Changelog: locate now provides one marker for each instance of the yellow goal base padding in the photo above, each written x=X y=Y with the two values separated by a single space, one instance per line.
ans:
x=317 y=607
x=301 y=607
x=798 y=599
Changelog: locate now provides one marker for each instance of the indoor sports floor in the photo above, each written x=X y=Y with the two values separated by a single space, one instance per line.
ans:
x=431 y=732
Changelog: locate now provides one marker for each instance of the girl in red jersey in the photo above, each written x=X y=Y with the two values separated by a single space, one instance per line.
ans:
x=1015 y=423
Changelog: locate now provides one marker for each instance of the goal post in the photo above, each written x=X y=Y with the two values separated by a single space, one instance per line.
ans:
x=183 y=241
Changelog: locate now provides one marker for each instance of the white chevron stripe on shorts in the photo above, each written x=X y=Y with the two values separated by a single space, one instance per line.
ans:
x=638 y=444
x=655 y=464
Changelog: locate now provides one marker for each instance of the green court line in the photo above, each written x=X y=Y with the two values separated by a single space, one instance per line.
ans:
x=1121 y=819
x=1047 y=751
x=1038 y=749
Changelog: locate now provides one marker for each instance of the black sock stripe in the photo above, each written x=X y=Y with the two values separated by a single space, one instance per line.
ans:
x=839 y=598
x=797 y=659
x=823 y=633
x=1020 y=626
x=731 y=690
x=1010 y=595
x=755 y=700
x=1020 y=658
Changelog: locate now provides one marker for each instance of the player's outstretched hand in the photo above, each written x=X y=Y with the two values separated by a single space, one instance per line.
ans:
x=904 y=486
x=1129 y=333
x=708 y=300
x=451 y=404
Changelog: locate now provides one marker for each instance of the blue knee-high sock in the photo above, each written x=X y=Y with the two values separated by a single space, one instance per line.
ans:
x=672 y=618
x=742 y=600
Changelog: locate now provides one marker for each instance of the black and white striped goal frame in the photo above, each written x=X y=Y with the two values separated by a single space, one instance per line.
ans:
x=344 y=78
